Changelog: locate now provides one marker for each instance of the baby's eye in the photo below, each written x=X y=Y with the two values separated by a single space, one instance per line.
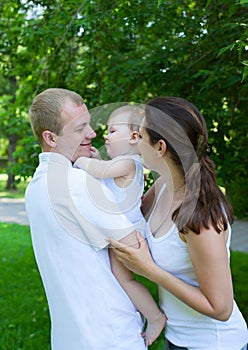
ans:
x=140 y=137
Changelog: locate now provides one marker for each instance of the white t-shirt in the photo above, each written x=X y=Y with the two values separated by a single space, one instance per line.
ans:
x=89 y=310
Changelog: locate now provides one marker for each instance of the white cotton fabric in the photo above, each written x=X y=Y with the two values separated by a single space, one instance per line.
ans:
x=185 y=326
x=89 y=310
x=129 y=198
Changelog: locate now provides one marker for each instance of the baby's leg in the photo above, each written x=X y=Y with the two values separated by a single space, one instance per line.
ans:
x=145 y=303
x=141 y=298
x=155 y=325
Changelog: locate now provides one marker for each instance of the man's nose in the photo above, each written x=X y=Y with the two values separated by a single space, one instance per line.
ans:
x=91 y=134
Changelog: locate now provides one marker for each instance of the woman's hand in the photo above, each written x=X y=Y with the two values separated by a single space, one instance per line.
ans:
x=138 y=260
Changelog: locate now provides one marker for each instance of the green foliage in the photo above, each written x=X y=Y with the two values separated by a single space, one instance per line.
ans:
x=26 y=161
x=131 y=51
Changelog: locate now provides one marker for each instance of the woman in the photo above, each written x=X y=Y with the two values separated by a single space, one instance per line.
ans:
x=189 y=223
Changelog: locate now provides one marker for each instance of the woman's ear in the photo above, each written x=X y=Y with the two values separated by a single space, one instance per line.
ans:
x=49 y=138
x=134 y=137
x=161 y=148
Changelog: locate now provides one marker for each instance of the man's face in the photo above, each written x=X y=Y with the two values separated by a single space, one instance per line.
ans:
x=75 y=138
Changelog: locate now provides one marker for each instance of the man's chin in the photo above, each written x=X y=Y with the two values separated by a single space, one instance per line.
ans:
x=86 y=153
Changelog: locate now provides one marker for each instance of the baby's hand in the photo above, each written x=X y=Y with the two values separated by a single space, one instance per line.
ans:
x=95 y=153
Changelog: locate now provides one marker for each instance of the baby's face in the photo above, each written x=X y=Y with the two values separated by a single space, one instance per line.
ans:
x=118 y=137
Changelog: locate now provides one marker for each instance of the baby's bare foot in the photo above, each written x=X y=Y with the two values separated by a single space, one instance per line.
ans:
x=154 y=328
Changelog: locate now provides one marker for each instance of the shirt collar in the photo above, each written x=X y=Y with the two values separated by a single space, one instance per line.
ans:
x=52 y=157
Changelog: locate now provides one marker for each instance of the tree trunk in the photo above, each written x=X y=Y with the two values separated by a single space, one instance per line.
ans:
x=11 y=185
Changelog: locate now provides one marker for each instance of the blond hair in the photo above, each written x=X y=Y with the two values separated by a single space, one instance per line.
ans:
x=45 y=111
x=134 y=116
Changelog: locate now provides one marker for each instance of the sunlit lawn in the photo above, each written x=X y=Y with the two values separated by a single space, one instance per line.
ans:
x=24 y=321
x=19 y=193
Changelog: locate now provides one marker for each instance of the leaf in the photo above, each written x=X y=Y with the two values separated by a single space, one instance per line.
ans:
x=208 y=3
x=245 y=74
x=226 y=48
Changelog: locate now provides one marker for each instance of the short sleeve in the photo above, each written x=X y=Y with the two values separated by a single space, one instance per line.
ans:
x=81 y=206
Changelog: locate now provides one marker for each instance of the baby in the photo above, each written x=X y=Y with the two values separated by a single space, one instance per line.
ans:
x=123 y=174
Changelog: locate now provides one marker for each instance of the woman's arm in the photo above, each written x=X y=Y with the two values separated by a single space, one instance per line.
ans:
x=208 y=252
x=210 y=260
x=117 y=167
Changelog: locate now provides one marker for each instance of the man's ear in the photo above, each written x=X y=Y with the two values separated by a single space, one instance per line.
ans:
x=161 y=148
x=134 y=137
x=50 y=138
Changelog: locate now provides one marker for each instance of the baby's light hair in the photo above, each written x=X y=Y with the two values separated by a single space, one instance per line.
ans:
x=135 y=115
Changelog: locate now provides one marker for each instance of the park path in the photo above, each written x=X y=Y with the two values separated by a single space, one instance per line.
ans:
x=13 y=211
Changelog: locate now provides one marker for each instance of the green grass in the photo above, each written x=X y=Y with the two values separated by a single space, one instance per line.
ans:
x=25 y=323
x=18 y=193
x=239 y=267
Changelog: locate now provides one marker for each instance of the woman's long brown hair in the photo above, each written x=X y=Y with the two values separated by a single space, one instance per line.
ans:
x=183 y=128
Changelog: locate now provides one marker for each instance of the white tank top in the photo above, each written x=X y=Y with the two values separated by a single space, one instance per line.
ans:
x=187 y=327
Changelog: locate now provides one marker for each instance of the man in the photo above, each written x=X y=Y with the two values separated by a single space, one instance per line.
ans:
x=89 y=310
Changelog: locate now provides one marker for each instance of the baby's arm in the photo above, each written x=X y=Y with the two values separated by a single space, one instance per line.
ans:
x=139 y=295
x=117 y=167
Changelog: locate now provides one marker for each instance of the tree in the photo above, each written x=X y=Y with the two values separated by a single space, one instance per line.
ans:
x=134 y=50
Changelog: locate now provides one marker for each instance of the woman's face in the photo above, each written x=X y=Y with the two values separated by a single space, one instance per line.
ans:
x=147 y=149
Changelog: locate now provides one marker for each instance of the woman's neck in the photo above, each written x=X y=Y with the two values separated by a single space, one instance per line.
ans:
x=173 y=176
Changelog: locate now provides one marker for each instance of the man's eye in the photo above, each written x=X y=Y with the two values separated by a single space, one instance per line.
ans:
x=81 y=129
